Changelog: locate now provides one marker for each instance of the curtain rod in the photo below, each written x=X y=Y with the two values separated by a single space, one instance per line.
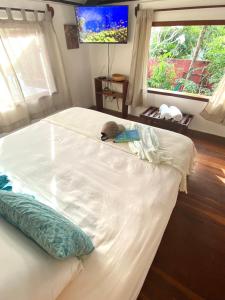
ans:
x=68 y=2
x=19 y=9
x=49 y=8
x=137 y=8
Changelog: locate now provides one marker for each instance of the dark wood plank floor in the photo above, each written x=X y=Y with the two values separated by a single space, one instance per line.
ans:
x=190 y=262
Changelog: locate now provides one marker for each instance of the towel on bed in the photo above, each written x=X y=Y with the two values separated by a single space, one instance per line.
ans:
x=148 y=147
x=5 y=184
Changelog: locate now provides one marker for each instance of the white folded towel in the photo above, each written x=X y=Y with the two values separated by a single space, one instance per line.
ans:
x=163 y=107
x=175 y=113
x=164 y=112
x=171 y=112
x=168 y=114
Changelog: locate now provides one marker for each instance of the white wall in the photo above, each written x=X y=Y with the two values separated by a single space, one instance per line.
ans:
x=121 y=59
x=76 y=61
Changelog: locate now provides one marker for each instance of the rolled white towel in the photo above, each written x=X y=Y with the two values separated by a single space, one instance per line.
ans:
x=175 y=113
x=163 y=107
x=164 y=110
x=168 y=114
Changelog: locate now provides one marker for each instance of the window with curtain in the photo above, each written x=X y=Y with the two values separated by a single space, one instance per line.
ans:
x=25 y=68
x=33 y=82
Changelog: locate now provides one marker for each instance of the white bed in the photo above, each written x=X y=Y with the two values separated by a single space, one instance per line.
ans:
x=123 y=203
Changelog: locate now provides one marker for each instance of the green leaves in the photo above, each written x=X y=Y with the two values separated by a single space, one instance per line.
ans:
x=174 y=41
x=163 y=75
x=179 y=42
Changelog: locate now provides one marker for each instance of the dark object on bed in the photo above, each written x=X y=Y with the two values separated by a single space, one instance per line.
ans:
x=151 y=116
x=110 y=130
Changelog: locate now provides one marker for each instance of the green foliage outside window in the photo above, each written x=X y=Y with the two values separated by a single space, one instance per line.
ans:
x=179 y=42
x=163 y=75
x=190 y=86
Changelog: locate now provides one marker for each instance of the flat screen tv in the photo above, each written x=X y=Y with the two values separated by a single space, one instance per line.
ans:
x=103 y=24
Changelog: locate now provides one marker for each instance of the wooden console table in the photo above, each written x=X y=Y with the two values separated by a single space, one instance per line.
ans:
x=151 y=116
x=100 y=92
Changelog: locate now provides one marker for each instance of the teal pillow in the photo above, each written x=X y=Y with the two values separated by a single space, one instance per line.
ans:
x=50 y=230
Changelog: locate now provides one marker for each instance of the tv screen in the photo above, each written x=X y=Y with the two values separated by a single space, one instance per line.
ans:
x=103 y=24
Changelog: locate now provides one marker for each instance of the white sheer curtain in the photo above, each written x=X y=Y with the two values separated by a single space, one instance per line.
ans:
x=32 y=78
x=215 y=109
x=137 y=90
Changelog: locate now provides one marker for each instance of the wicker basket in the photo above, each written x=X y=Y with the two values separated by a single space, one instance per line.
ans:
x=118 y=77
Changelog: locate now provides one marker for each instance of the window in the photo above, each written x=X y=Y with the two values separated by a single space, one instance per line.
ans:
x=186 y=59
x=24 y=64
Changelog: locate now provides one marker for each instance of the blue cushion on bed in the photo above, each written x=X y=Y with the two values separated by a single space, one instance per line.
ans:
x=49 y=229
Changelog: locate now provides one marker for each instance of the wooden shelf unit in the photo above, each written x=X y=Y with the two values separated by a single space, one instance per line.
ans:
x=100 y=92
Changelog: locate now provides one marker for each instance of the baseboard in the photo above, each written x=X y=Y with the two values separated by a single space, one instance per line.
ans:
x=206 y=136
x=118 y=114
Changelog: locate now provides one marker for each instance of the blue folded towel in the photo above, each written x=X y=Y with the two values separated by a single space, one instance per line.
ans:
x=127 y=136
x=5 y=184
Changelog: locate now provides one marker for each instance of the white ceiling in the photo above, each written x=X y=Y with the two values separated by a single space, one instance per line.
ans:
x=156 y=3
x=181 y=3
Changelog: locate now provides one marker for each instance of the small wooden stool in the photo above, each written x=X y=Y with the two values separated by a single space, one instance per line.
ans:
x=151 y=116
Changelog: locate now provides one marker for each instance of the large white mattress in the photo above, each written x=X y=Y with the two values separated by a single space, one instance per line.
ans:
x=123 y=203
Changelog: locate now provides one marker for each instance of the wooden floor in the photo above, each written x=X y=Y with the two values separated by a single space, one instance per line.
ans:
x=190 y=262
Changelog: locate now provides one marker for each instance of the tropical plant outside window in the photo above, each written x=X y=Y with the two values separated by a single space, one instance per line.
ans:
x=187 y=59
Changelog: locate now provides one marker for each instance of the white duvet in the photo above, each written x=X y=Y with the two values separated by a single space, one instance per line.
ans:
x=123 y=203
x=89 y=123
x=27 y=272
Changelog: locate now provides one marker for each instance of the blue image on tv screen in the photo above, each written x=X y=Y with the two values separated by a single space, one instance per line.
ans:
x=103 y=24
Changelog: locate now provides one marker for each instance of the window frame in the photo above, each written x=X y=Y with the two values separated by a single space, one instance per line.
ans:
x=196 y=97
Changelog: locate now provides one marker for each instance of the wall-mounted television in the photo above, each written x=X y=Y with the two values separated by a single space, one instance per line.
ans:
x=103 y=24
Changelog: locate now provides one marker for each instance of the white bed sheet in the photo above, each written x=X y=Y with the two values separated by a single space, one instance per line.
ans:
x=123 y=203
x=27 y=272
